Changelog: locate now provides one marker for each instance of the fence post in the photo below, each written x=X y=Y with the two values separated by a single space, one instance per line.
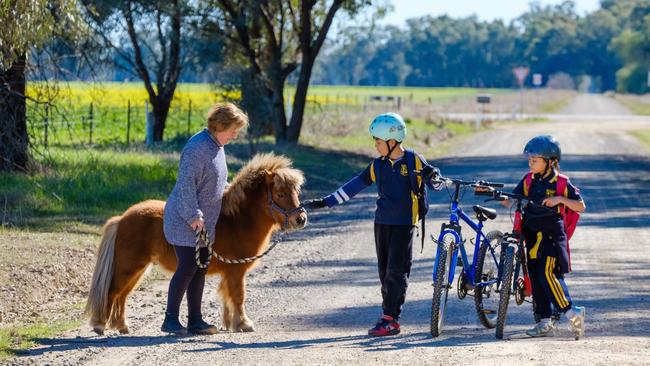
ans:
x=47 y=122
x=189 y=116
x=128 y=122
x=148 y=124
x=90 y=120
x=178 y=120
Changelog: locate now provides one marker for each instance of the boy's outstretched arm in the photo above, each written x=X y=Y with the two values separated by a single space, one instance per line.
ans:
x=344 y=193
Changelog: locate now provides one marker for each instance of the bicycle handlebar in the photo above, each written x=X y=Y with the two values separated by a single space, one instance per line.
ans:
x=502 y=196
x=460 y=182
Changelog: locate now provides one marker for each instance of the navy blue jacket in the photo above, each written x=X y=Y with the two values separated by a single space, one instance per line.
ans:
x=542 y=188
x=396 y=204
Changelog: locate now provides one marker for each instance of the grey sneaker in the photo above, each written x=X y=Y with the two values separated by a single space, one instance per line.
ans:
x=576 y=316
x=545 y=328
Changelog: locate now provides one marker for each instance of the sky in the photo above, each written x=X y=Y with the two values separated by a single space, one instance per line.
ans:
x=485 y=9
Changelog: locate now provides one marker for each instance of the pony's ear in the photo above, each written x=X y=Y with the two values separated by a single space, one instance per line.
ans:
x=268 y=176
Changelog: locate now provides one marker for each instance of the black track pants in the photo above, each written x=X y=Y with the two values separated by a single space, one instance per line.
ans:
x=394 y=245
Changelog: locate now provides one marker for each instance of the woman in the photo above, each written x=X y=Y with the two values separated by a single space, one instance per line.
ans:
x=193 y=205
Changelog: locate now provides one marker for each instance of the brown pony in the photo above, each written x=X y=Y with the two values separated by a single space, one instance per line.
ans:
x=262 y=198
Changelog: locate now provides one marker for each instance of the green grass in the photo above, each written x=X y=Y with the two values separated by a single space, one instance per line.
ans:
x=634 y=105
x=85 y=184
x=553 y=106
x=358 y=94
x=98 y=113
x=644 y=137
x=15 y=340
x=73 y=187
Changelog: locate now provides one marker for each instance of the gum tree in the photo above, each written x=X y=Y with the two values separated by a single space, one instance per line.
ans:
x=26 y=25
x=146 y=38
x=272 y=39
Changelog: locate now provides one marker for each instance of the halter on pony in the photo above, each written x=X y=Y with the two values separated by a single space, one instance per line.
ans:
x=282 y=211
x=202 y=237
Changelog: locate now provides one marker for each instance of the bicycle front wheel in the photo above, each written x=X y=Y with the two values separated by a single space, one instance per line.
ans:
x=508 y=266
x=486 y=297
x=441 y=283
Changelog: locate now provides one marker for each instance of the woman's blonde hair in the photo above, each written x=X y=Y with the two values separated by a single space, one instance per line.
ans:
x=225 y=115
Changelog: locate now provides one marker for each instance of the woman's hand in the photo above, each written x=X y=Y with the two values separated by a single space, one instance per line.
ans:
x=197 y=224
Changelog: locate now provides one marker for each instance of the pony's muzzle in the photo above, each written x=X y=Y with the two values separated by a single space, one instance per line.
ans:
x=300 y=220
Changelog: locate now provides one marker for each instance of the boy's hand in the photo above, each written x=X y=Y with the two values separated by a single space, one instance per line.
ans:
x=430 y=173
x=553 y=201
x=314 y=204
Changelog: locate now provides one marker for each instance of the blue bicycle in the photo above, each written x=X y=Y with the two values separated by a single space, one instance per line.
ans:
x=482 y=275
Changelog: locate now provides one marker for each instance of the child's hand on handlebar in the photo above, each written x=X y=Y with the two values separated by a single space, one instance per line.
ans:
x=553 y=201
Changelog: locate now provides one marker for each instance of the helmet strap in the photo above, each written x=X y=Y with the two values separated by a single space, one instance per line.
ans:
x=549 y=168
x=390 y=149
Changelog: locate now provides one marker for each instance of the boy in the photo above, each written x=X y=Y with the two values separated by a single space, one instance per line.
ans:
x=546 y=239
x=395 y=172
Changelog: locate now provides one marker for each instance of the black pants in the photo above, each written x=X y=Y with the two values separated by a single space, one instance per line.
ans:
x=394 y=245
x=547 y=261
x=188 y=278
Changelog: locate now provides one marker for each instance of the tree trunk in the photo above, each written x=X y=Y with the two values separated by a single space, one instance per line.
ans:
x=299 y=101
x=14 y=141
x=160 y=111
x=279 y=115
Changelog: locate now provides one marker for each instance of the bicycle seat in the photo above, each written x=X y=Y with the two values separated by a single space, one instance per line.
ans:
x=484 y=213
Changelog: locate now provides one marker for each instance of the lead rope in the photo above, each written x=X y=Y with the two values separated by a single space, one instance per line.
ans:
x=201 y=236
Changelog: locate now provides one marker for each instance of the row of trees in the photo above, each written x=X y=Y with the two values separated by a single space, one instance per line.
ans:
x=446 y=51
x=256 y=46
x=258 y=42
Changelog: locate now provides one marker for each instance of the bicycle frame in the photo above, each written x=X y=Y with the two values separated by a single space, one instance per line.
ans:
x=521 y=261
x=453 y=228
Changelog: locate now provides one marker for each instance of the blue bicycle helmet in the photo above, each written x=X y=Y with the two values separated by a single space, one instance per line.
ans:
x=388 y=126
x=545 y=146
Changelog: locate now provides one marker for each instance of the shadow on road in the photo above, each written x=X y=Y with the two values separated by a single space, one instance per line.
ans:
x=616 y=189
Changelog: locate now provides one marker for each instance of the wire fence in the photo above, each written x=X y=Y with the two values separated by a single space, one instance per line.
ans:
x=100 y=125
x=97 y=124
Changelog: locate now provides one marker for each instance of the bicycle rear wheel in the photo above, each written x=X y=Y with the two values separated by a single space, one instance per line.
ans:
x=508 y=267
x=441 y=283
x=486 y=299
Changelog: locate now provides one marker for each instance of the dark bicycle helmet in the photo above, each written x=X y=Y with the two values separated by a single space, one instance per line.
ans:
x=545 y=146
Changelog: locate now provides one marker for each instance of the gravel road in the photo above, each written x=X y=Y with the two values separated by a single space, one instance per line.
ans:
x=314 y=297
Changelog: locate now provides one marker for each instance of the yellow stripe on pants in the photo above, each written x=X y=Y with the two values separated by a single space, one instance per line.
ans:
x=535 y=248
x=554 y=284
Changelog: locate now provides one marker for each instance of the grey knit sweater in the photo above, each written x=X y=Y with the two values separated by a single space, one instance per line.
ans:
x=202 y=175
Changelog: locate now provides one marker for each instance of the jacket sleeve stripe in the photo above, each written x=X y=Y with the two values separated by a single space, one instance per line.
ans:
x=338 y=197
x=343 y=194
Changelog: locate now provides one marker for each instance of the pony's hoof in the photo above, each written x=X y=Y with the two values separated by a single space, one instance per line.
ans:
x=247 y=328
x=124 y=331
x=99 y=330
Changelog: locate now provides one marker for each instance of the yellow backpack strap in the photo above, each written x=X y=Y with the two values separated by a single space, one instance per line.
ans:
x=418 y=167
x=372 y=172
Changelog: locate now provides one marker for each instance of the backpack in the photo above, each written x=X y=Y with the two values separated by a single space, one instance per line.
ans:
x=569 y=216
x=419 y=189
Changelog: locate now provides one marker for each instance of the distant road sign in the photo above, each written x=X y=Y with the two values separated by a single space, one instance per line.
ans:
x=537 y=79
x=520 y=73
x=483 y=98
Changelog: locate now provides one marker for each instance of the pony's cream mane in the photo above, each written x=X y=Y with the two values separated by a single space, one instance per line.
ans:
x=253 y=173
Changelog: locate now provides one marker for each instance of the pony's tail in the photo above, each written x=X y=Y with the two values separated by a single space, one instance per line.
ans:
x=97 y=306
